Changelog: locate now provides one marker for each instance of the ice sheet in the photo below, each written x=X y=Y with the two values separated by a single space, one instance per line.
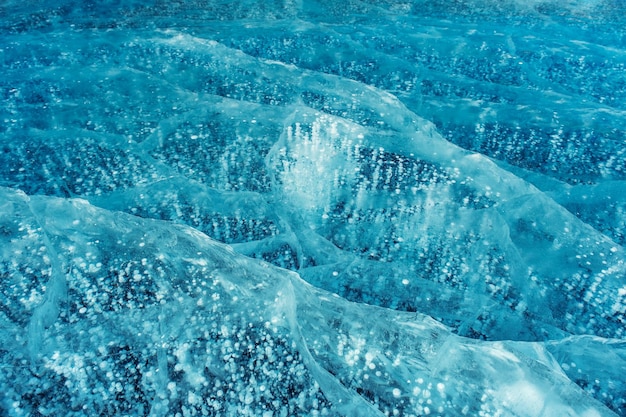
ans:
x=423 y=202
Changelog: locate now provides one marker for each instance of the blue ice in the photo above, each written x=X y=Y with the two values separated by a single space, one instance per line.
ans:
x=313 y=208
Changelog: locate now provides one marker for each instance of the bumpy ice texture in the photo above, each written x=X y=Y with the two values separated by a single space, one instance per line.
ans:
x=313 y=208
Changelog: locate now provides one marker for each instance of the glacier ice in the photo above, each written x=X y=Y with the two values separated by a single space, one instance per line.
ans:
x=313 y=208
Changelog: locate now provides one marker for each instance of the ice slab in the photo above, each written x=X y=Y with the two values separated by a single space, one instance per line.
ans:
x=169 y=321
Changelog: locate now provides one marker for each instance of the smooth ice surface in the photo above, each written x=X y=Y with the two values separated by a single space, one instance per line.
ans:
x=313 y=208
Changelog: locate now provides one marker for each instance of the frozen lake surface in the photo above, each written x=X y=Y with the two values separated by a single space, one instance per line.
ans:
x=313 y=208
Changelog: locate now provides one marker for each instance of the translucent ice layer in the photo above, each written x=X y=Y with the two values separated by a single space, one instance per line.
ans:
x=109 y=314
x=423 y=202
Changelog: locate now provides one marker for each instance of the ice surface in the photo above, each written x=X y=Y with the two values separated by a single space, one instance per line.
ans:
x=167 y=320
x=423 y=204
